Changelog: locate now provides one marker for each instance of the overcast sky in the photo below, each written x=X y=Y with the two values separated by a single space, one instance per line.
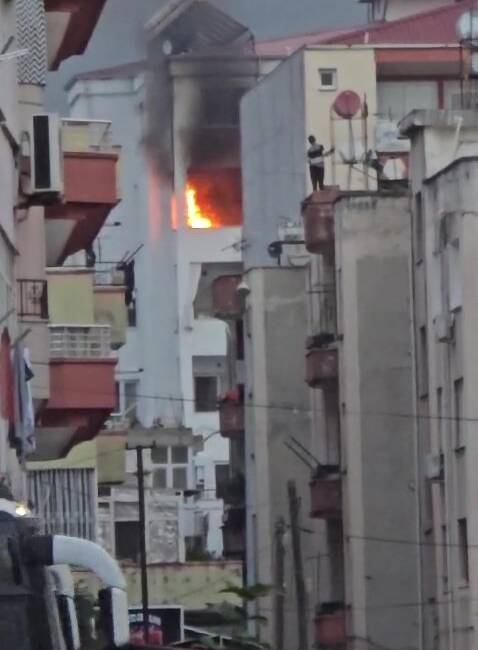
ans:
x=118 y=35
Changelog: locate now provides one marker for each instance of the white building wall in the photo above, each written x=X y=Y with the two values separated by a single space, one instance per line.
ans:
x=160 y=350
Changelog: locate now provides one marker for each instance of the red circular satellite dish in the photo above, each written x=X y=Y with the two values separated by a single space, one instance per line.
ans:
x=347 y=104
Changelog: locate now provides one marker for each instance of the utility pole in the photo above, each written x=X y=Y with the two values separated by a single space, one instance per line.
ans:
x=142 y=542
x=294 y=509
x=279 y=584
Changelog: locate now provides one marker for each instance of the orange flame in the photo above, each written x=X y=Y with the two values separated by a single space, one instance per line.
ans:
x=195 y=218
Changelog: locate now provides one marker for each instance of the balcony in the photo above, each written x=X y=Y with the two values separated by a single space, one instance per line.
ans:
x=318 y=216
x=322 y=369
x=330 y=626
x=90 y=170
x=70 y=24
x=326 y=493
x=82 y=388
x=324 y=316
x=109 y=302
x=231 y=418
x=226 y=299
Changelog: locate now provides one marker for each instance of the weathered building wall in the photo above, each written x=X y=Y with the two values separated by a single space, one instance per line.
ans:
x=377 y=429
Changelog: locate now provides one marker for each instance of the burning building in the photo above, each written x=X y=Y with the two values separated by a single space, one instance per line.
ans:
x=186 y=188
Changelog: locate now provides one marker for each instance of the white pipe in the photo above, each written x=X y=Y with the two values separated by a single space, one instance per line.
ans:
x=64 y=585
x=82 y=552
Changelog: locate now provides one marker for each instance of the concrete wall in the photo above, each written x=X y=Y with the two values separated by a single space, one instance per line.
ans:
x=277 y=407
x=377 y=435
x=194 y=586
x=354 y=70
x=274 y=170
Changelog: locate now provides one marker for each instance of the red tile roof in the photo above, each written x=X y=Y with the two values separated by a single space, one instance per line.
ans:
x=436 y=27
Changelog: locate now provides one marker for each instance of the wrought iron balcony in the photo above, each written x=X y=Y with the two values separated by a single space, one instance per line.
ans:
x=322 y=367
x=32 y=298
x=318 y=215
x=324 y=315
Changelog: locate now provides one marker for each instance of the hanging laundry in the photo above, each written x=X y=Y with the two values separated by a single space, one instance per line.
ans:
x=29 y=439
x=7 y=407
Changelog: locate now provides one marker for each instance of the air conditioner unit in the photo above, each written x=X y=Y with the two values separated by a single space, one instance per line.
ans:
x=444 y=327
x=434 y=467
x=46 y=157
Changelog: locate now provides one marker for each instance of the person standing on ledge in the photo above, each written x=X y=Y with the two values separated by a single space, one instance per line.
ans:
x=316 y=158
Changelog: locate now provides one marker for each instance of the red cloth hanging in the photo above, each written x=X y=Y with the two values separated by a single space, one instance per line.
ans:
x=7 y=402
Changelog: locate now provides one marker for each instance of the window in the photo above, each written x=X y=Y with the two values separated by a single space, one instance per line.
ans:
x=179 y=455
x=205 y=394
x=160 y=478
x=220 y=106
x=180 y=478
x=423 y=361
x=458 y=414
x=117 y=397
x=419 y=232
x=130 y=400
x=222 y=480
x=463 y=549
x=328 y=78
x=444 y=549
x=104 y=491
x=159 y=455
x=127 y=540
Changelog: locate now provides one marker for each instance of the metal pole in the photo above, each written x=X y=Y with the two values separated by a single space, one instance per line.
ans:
x=142 y=542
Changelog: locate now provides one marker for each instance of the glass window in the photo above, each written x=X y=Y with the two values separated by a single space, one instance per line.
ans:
x=159 y=455
x=180 y=478
x=160 y=479
x=205 y=394
x=222 y=480
x=328 y=78
x=130 y=400
x=179 y=454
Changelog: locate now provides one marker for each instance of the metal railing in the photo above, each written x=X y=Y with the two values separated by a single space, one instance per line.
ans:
x=324 y=309
x=107 y=274
x=32 y=298
x=80 y=341
x=87 y=135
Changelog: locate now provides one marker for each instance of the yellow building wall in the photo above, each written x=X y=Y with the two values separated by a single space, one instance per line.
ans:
x=70 y=297
x=355 y=70
x=110 y=309
x=193 y=585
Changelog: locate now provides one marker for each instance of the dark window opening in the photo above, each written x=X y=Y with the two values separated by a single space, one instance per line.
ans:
x=463 y=549
x=127 y=540
x=160 y=480
x=205 y=389
x=222 y=480
x=104 y=491
x=180 y=478
x=159 y=454
x=179 y=455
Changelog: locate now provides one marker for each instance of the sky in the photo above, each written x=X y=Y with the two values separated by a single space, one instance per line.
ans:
x=118 y=35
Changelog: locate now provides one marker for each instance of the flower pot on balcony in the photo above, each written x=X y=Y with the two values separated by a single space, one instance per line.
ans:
x=326 y=497
x=330 y=628
x=321 y=366
x=318 y=215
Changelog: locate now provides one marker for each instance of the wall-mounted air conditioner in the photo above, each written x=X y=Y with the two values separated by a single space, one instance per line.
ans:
x=434 y=467
x=46 y=157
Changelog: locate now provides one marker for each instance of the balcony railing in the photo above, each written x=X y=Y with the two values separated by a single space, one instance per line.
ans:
x=324 y=310
x=326 y=493
x=80 y=341
x=87 y=135
x=107 y=274
x=32 y=298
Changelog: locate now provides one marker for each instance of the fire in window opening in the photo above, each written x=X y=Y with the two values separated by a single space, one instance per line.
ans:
x=213 y=198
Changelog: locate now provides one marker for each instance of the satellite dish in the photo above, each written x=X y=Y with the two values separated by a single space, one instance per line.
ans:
x=394 y=170
x=347 y=104
x=467 y=26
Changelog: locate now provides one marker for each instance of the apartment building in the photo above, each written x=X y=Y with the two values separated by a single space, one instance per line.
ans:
x=177 y=118
x=55 y=198
x=358 y=358
x=381 y=10
x=444 y=147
